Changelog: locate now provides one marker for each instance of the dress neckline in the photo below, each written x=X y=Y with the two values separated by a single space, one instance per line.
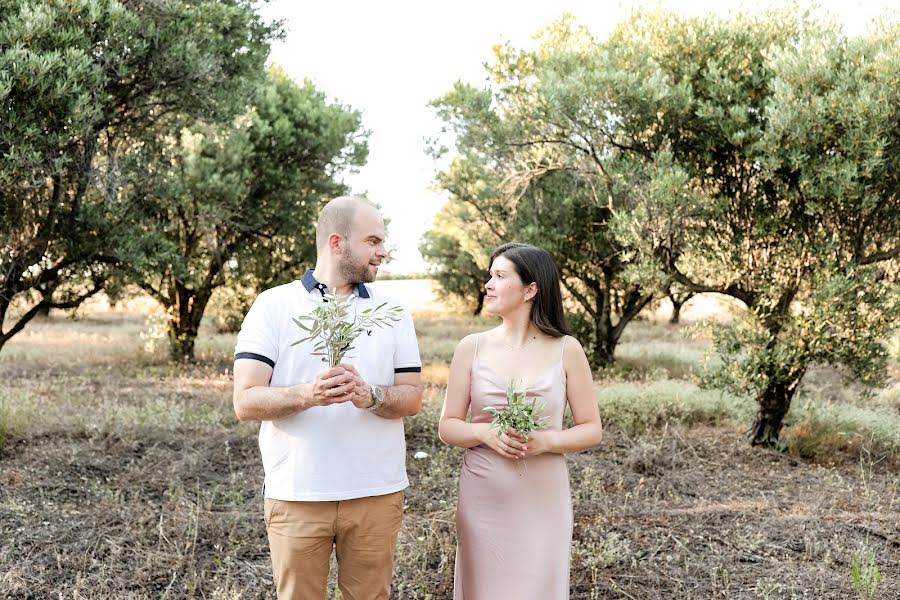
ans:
x=551 y=370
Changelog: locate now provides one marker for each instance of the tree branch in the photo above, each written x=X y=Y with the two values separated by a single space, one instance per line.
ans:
x=732 y=289
x=633 y=307
x=484 y=217
x=880 y=256
x=582 y=299
x=37 y=308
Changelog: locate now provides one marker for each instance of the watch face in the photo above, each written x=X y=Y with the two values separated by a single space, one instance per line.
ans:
x=377 y=396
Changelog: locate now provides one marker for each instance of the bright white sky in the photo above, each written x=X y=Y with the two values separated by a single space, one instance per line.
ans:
x=389 y=59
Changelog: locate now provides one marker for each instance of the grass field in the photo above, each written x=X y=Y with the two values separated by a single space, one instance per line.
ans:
x=122 y=476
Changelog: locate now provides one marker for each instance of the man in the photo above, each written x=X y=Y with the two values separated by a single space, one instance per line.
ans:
x=331 y=439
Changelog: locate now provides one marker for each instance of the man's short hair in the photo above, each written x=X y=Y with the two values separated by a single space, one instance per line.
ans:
x=337 y=217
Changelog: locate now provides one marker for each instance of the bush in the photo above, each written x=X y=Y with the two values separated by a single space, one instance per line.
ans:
x=13 y=419
x=227 y=308
x=823 y=430
x=636 y=407
x=660 y=360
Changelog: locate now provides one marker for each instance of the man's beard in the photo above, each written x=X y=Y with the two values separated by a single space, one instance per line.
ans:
x=352 y=271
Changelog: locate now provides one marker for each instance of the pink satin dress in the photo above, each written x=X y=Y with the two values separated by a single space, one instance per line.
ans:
x=514 y=517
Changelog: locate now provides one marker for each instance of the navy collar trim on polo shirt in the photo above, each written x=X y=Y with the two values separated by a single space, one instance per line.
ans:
x=310 y=283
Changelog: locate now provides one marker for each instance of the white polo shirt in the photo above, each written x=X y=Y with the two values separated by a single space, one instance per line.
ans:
x=335 y=452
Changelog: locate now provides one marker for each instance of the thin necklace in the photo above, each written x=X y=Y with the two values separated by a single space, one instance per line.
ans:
x=516 y=348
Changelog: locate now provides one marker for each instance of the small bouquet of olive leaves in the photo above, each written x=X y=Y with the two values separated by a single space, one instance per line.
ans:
x=328 y=325
x=522 y=416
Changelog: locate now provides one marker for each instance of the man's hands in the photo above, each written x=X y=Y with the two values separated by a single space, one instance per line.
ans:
x=342 y=383
x=332 y=386
x=362 y=393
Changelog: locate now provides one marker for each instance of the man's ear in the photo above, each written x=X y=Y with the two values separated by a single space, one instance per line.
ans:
x=335 y=244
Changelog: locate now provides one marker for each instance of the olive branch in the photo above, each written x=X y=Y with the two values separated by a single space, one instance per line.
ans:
x=522 y=416
x=334 y=333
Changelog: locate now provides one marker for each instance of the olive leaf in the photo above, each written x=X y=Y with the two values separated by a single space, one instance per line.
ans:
x=334 y=334
x=522 y=416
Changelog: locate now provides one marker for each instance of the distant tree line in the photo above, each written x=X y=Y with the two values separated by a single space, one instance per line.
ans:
x=756 y=157
x=147 y=144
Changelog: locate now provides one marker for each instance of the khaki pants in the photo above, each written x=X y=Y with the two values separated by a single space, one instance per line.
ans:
x=363 y=532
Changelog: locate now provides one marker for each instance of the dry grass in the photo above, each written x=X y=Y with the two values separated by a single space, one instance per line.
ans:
x=125 y=477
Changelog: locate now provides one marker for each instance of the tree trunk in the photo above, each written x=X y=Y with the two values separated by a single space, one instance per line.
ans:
x=774 y=403
x=603 y=356
x=605 y=341
x=676 y=311
x=678 y=300
x=181 y=342
x=46 y=293
x=184 y=321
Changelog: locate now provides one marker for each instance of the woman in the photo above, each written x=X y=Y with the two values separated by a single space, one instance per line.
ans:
x=514 y=518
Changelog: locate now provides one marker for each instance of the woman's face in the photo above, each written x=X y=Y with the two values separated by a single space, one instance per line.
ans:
x=505 y=292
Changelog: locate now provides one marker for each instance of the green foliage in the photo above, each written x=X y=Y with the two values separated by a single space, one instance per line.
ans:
x=765 y=149
x=582 y=327
x=518 y=414
x=228 y=306
x=865 y=575
x=82 y=84
x=235 y=203
x=636 y=407
x=333 y=329
x=822 y=430
x=530 y=167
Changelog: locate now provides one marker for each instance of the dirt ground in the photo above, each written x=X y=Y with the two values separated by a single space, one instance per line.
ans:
x=678 y=514
x=698 y=513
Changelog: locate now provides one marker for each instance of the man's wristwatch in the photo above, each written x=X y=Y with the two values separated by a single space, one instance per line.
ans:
x=377 y=397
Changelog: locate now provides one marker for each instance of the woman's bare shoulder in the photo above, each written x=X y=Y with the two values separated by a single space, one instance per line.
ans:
x=467 y=345
x=573 y=351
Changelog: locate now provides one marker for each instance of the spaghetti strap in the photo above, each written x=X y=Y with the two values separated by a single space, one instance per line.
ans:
x=562 y=352
x=475 y=354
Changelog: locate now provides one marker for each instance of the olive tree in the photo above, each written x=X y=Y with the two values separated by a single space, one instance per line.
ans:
x=768 y=149
x=83 y=83
x=236 y=203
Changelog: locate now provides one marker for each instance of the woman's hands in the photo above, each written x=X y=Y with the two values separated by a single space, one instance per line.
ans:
x=541 y=442
x=508 y=444
x=512 y=444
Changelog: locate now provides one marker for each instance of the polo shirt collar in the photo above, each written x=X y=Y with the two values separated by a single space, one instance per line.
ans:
x=310 y=283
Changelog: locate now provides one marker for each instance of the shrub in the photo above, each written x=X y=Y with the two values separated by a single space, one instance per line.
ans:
x=822 y=430
x=636 y=407
x=13 y=419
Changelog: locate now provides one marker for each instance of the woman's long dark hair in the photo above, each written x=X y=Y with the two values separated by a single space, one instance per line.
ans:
x=535 y=265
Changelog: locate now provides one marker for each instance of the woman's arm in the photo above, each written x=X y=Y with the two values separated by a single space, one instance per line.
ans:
x=587 y=430
x=453 y=428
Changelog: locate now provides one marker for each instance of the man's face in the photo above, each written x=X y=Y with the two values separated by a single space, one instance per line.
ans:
x=364 y=251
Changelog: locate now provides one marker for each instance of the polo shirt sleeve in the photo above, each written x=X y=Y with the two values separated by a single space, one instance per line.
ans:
x=258 y=337
x=406 y=352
